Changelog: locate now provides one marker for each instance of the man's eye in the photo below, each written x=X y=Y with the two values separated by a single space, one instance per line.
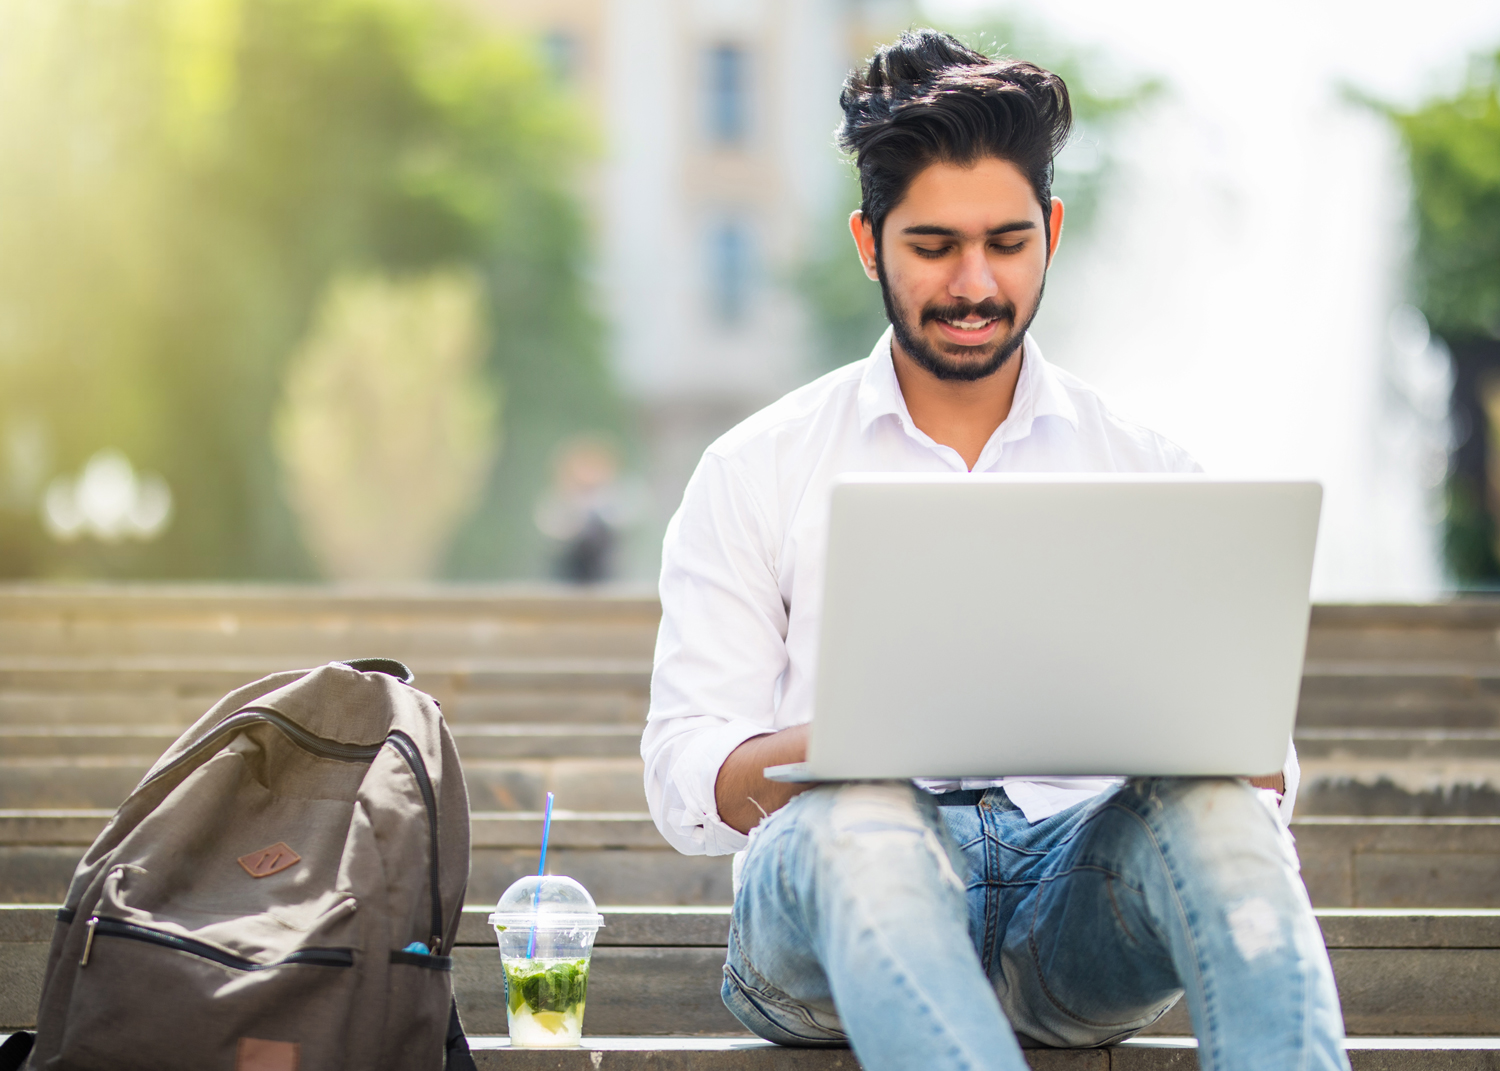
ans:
x=930 y=254
x=1014 y=247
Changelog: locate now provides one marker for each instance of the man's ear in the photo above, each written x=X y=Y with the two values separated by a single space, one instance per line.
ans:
x=864 y=240
x=1055 y=224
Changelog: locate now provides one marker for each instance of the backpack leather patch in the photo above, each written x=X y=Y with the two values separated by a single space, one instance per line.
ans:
x=257 y=1054
x=263 y=864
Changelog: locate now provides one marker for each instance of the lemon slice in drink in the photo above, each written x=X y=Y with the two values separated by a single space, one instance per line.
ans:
x=552 y=1020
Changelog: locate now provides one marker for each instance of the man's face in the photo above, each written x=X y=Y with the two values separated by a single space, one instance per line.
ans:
x=962 y=263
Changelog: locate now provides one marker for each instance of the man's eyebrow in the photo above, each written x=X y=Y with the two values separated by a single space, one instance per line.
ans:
x=948 y=232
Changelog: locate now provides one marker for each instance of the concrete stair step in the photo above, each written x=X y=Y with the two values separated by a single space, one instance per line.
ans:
x=596 y=768
x=166 y=690
x=521 y=740
x=1410 y=793
x=1400 y=862
x=326 y=623
x=31 y=710
x=39 y=873
x=178 y=675
x=103 y=781
x=475 y=741
x=620 y=857
x=449 y=620
x=552 y=740
x=176 y=691
x=1353 y=744
x=1137 y=1054
x=52 y=741
x=1346 y=862
x=1414 y=772
x=493 y=1053
x=1462 y=631
x=1399 y=695
x=657 y=972
x=488 y=829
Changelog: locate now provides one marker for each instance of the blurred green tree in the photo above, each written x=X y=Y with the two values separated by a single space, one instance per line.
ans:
x=180 y=183
x=385 y=432
x=847 y=309
x=1453 y=148
x=1453 y=144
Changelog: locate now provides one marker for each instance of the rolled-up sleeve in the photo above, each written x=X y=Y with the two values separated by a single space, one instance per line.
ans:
x=720 y=652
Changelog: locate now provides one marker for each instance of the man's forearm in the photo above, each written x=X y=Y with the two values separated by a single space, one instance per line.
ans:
x=1275 y=782
x=742 y=795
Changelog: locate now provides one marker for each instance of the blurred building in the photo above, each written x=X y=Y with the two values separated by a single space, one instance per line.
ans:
x=717 y=118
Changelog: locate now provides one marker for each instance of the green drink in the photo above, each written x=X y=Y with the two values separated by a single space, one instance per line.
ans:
x=544 y=1001
x=545 y=927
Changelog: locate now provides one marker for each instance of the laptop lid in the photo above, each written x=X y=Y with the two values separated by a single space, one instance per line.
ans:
x=991 y=625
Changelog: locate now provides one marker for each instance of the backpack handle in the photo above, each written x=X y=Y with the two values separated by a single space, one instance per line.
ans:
x=389 y=666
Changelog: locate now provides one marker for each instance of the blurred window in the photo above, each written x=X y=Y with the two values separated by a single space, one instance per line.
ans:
x=560 y=50
x=728 y=95
x=730 y=270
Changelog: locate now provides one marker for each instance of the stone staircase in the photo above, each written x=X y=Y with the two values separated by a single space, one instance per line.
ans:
x=543 y=693
x=1398 y=823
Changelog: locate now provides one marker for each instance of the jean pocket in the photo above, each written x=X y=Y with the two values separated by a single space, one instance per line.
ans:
x=776 y=1020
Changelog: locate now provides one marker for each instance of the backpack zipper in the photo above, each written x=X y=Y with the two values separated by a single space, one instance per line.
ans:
x=413 y=756
x=316 y=957
x=250 y=716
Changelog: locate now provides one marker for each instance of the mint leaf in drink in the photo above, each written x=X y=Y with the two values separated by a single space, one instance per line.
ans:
x=545 y=986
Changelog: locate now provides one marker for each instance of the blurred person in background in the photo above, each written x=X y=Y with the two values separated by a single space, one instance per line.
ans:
x=585 y=509
x=930 y=924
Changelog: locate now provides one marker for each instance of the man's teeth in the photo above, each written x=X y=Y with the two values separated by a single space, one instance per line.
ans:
x=970 y=325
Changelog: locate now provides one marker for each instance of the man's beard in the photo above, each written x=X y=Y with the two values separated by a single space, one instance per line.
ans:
x=939 y=364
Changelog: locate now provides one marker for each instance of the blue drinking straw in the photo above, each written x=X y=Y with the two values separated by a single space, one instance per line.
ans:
x=536 y=898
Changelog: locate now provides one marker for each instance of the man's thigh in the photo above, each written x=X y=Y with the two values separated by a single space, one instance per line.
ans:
x=1062 y=928
x=813 y=870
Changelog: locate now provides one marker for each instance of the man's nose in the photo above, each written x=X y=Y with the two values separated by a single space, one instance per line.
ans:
x=974 y=282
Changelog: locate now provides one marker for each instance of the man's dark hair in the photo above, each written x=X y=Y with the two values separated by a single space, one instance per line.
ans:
x=930 y=98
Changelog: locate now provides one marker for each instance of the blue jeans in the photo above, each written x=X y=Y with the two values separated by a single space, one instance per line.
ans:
x=927 y=932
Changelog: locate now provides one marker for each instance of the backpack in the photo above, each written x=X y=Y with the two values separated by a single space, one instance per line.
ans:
x=280 y=893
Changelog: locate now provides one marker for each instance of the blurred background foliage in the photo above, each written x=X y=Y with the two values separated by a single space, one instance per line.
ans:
x=186 y=181
x=1453 y=144
x=386 y=429
x=846 y=306
x=1453 y=148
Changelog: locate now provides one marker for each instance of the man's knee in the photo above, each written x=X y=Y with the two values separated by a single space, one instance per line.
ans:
x=868 y=832
x=1212 y=803
x=889 y=819
x=1223 y=824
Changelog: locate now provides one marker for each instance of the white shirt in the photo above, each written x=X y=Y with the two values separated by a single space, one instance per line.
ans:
x=742 y=566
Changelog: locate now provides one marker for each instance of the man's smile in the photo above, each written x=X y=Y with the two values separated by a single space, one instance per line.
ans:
x=972 y=330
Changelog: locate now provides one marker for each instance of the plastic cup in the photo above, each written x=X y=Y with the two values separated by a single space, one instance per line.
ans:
x=545 y=927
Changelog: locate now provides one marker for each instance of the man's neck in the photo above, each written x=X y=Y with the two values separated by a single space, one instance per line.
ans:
x=961 y=414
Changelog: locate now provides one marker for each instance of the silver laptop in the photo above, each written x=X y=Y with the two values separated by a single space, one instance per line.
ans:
x=987 y=625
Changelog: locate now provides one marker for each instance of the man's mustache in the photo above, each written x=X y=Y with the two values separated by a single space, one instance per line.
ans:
x=985 y=310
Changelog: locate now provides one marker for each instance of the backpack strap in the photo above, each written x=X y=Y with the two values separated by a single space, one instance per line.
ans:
x=456 y=1048
x=18 y=1046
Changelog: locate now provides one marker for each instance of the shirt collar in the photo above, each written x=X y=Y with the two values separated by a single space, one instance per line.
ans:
x=1039 y=393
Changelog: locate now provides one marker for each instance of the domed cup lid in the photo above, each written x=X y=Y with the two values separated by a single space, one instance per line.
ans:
x=551 y=902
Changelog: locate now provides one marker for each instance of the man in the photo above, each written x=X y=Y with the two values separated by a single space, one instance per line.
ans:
x=929 y=925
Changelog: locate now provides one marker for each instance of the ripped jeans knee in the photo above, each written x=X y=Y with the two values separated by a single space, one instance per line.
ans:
x=883 y=820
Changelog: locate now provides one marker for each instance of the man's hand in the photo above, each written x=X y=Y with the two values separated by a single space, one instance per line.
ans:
x=1276 y=782
x=743 y=796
